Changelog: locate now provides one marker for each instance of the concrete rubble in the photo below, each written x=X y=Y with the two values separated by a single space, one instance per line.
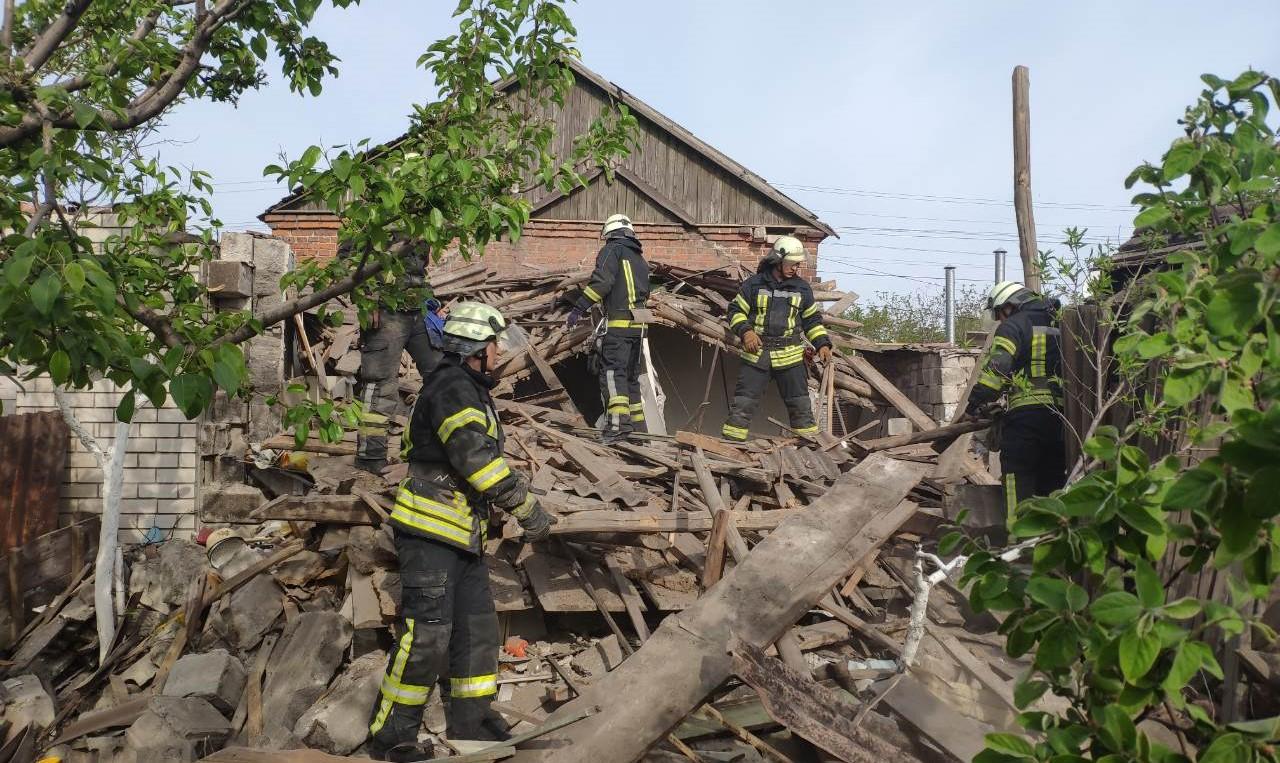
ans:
x=285 y=648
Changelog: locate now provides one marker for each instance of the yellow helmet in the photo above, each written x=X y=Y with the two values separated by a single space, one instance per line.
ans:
x=471 y=326
x=789 y=249
x=615 y=222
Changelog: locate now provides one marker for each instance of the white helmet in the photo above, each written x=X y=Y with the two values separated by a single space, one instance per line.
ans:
x=789 y=249
x=616 y=222
x=1007 y=293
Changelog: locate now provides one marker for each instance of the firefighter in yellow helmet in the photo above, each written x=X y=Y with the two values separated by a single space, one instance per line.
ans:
x=1025 y=367
x=457 y=477
x=773 y=315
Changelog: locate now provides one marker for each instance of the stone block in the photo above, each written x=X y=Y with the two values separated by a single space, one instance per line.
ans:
x=26 y=703
x=229 y=278
x=215 y=676
x=272 y=258
x=158 y=460
x=339 y=721
x=302 y=664
x=177 y=729
x=244 y=617
x=236 y=247
x=898 y=426
x=153 y=490
x=170 y=574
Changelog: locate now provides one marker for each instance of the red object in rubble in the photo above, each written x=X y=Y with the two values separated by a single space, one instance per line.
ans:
x=515 y=646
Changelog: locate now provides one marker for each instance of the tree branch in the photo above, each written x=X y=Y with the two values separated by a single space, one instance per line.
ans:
x=144 y=28
x=68 y=415
x=6 y=32
x=47 y=43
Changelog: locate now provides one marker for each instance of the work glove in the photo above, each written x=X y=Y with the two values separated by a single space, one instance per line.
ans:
x=751 y=342
x=537 y=524
x=575 y=315
x=824 y=353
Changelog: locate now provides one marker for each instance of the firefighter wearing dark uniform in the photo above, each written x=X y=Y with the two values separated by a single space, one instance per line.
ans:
x=1025 y=363
x=620 y=285
x=773 y=314
x=392 y=329
x=457 y=476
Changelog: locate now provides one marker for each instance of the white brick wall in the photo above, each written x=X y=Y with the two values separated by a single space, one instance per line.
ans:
x=160 y=478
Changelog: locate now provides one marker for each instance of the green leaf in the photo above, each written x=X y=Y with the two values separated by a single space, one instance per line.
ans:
x=1193 y=490
x=74 y=274
x=1236 y=305
x=1180 y=159
x=1119 y=733
x=1137 y=654
x=17 y=269
x=1011 y=744
x=1150 y=589
x=191 y=392
x=1132 y=464
x=1077 y=597
x=1262 y=496
x=124 y=411
x=44 y=292
x=1050 y=592
x=1239 y=531
x=84 y=114
x=1116 y=608
x=1027 y=692
x=259 y=46
x=1228 y=748
x=1183 y=385
x=1059 y=647
x=60 y=367
x=1151 y=216
x=1262 y=728
x=1182 y=609
x=1269 y=242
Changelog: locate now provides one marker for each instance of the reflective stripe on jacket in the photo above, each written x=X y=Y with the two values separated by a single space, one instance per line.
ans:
x=619 y=282
x=783 y=314
x=457 y=469
x=1025 y=361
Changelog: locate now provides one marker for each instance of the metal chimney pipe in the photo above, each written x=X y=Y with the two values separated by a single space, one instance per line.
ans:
x=951 y=304
x=999 y=253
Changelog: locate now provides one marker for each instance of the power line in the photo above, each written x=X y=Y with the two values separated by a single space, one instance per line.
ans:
x=953 y=219
x=976 y=200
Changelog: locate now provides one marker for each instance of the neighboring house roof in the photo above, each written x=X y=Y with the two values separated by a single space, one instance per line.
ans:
x=786 y=211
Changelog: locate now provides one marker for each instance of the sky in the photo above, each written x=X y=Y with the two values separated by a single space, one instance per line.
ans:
x=891 y=121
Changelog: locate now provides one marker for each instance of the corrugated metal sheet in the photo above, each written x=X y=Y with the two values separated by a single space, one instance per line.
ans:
x=33 y=455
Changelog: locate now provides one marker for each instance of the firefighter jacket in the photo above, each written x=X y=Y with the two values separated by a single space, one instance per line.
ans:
x=457 y=471
x=1024 y=361
x=783 y=313
x=619 y=283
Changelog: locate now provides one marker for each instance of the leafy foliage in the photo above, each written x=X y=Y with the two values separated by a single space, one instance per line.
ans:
x=98 y=273
x=1090 y=608
x=917 y=317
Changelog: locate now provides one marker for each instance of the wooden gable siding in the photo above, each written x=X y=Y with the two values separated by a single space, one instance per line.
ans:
x=709 y=194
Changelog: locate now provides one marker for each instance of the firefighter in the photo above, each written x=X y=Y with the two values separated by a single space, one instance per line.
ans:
x=392 y=329
x=620 y=284
x=457 y=476
x=773 y=314
x=1026 y=364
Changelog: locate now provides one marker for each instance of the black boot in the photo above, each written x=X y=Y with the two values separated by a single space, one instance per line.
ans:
x=405 y=752
x=472 y=718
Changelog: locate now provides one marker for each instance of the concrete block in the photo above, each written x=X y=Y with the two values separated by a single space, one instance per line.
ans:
x=272 y=258
x=142 y=445
x=303 y=663
x=229 y=278
x=177 y=729
x=898 y=426
x=138 y=506
x=169 y=575
x=140 y=475
x=154 y=490
x=188 y=460
x=230 y=502
x=215 y=676
x=158 y=460
x=28 y=704
x=86 y=475
x=175 y=475
x=245 y=616
x=177 y=505
x=78 y=490
x=237 y=247
x=170 y=415
x=173 y=444
x=160 y=430
x=144 y=414
x=338 y=722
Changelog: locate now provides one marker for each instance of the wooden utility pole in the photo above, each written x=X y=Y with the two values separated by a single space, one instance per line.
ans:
x=1022 y=178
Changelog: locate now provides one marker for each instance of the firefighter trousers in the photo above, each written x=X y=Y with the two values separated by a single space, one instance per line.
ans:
x=793 y=385
x=1033 y=458
x=449 y=629
x=379 y=378
x=621 y=363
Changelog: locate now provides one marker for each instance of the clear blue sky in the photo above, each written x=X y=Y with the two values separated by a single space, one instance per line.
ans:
x=891 y=120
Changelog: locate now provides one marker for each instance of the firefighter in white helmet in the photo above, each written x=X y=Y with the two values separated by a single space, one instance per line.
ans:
x=1025 y=367
x=620 y=285
x=773 y=315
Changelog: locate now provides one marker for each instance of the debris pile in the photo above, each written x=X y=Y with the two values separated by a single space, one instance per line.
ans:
x=698 y=600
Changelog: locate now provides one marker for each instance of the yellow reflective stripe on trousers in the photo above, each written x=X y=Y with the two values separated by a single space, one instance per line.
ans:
x=395 y=673
x=590 y=294
x=490 y=474
x=631 y=283
x=816 y=332
x=457 y=512
x=404 y=694
x=734 y=433
x=473 y=686
x=460 y=419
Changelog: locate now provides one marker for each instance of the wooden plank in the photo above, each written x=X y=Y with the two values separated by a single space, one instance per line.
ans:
x=959 y=735
x=33 y=454
x=716 y=550
x=116 y=717
x=504 y=582
x=892 y=394
x=630 y=597
x=760 y=599
x=669 y=587
x=558 y=590
x=930 y=435
x=1028 y=248
x=330 y=509
x=668 y=522
x=712 y=445
x=549 y=376
x=807 y=708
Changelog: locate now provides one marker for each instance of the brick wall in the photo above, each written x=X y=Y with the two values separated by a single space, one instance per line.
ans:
x=554 y=244
x=160 y=465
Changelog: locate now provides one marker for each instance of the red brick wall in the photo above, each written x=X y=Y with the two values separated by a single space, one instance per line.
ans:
x=555 y=245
